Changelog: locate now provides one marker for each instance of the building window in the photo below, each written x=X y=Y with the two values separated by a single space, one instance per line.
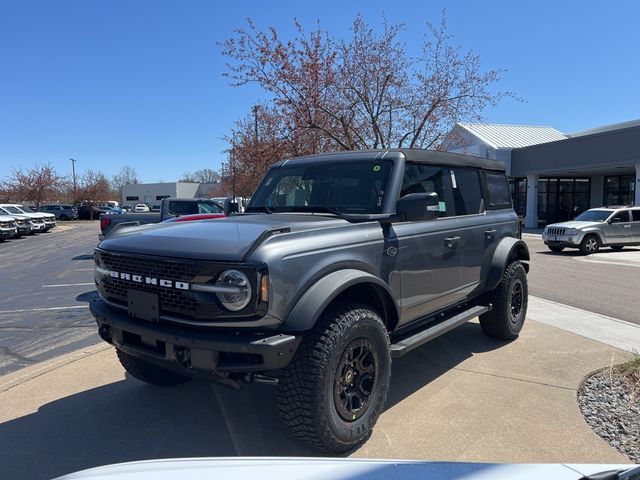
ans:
x=518 y=188
x=132 y=198
x=160 y=197
x=619 y=190
x=562 y=199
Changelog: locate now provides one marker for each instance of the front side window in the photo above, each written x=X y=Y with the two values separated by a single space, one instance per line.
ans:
x=351 y=187
x=423 y=178
x=620 y=217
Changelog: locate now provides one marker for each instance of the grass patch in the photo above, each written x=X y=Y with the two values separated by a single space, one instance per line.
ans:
x=629 y=371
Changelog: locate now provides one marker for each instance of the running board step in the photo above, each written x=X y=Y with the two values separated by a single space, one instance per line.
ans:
x=414 y=341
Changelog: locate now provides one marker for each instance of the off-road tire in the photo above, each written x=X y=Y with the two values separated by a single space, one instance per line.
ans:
x=617 y=248
x=308 y=390
x=587 y=247
x=556 y=249
x=501 y=322
x=149 y=373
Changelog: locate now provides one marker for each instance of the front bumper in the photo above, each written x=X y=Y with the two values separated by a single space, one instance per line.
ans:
x=8 y=232
x=563 y=240
x=24 y=229
x=192 y=352
x=37 y=227
x=49 y=224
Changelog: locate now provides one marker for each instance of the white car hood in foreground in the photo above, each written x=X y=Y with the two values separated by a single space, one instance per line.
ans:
x=332 y=469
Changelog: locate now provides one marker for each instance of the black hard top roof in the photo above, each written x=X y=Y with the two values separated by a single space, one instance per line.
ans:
x=433 y=157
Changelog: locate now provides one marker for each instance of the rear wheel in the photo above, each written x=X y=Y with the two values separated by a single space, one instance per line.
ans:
x=333 y=391
x=617 y=248
x=509 y=300
x=555 y=248
x=148 y=372
x=590 y=244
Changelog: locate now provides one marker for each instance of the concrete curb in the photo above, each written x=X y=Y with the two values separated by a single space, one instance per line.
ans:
x=29 y=373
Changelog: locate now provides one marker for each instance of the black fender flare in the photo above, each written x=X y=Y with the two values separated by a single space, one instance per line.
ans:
x=508 y=250
x=305 y=313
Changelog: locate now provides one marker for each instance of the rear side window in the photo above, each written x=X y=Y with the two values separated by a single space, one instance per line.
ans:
x=636 y=215
x=498 y=193
x=467 y=194
x=183 y=208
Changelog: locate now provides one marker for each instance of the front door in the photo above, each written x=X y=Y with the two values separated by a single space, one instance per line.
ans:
x=429 y=252
x=619 y=229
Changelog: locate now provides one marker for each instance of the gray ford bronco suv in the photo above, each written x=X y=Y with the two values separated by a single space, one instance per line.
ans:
x=340 y=263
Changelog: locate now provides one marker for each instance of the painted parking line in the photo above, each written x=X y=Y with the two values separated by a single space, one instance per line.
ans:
x=74 y=307
x=634 y=263
x=68 y=285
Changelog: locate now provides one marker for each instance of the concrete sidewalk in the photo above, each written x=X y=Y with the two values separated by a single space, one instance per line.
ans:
x=463 y=397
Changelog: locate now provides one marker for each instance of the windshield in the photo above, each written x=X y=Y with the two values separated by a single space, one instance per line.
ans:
x=343 y=187
x=14 y=209
x=594 y=216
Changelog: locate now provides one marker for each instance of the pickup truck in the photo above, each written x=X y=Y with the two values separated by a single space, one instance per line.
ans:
x=170 y=208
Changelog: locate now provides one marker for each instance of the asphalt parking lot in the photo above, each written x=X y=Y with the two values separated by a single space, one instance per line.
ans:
x=47 y=281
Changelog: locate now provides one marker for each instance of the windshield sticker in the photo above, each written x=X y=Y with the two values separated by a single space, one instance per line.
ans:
x=376 y=168
x=442 y=207
x=453 y=179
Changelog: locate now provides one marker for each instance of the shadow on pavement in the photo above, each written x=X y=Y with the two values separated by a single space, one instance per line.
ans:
x=128 y=420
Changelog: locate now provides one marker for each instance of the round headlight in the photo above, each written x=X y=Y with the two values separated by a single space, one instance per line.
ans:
x=238 y=286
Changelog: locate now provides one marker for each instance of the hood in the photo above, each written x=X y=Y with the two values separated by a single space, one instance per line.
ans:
x=6 y=218
x=574 y=224
x=275 y=468
x=224 y=239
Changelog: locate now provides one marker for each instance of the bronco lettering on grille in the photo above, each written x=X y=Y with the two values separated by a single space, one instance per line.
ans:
x=163 y=282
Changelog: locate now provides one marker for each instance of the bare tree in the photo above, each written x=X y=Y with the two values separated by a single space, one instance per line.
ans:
x=38 y=184
x=205 y=175
x=356 y=93
x=126 y=176
x=93 y=187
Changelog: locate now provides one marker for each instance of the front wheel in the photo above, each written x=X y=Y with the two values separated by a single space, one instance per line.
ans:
x=590 y=244
x=509 y=300
x=333 y=391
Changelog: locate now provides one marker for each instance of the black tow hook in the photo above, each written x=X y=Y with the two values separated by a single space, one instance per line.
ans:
x=105 y=333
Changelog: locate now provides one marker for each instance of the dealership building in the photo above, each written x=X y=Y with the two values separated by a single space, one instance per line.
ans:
x=554 y=176
x=153 y=193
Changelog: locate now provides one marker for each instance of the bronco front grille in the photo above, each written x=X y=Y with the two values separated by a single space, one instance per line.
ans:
x=555 y=231
x=182 y=304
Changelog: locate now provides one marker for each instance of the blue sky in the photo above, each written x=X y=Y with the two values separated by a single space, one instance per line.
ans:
x=140 y=82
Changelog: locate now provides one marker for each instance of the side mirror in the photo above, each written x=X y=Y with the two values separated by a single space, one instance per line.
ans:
x=418 y=206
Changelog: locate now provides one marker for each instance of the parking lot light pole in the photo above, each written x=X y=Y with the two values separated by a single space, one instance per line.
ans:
x=73 y=167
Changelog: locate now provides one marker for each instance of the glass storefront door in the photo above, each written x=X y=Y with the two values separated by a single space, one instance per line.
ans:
x=562 y=199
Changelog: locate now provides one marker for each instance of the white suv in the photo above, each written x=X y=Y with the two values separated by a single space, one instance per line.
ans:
x=140 y=208
x=41 y=221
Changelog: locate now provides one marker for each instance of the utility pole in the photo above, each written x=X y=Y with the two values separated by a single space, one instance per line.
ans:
x=73 y=166
x=255 y=122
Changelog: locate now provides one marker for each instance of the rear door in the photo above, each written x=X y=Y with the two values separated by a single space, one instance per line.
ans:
x=635 y=225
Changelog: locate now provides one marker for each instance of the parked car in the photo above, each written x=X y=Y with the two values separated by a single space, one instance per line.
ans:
x=340 y=263
x=62 y=212
x=614 y=227
x=8 y=227
x=89 y=212
x=141 y=208
x=169 y=208
x=42 y=222
x=23 y=222
x=126 y=208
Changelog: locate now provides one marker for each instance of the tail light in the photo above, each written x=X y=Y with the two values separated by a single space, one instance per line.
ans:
x=104 y=224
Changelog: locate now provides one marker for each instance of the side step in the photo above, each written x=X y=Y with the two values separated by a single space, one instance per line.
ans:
x=407 y=344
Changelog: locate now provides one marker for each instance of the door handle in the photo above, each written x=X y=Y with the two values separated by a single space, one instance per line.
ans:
x=490 y=232
x=452 y=241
